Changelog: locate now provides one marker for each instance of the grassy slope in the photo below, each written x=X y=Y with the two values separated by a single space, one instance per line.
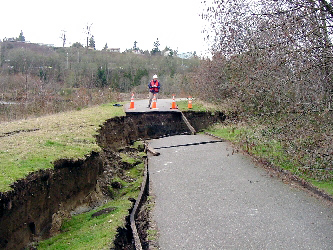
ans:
x=29 y=145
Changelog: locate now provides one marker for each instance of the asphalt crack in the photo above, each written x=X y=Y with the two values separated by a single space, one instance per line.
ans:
x=189 y=144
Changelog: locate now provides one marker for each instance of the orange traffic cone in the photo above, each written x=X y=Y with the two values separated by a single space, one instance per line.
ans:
x=132 y=102
x=153 y=106
x=173 y=105
x=189 y=102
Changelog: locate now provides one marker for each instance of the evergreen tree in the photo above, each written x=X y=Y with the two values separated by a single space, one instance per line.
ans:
x=135 y=48
x=92 y=42
x=101 y=79
x=156 y=50
x=77 y=45
x=21 y=37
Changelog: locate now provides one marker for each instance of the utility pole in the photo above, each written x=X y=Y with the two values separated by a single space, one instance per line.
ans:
x=88 y=33
x=67 y=61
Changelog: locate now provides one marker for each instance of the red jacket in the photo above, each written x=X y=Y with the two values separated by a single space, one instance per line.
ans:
x=154 y=89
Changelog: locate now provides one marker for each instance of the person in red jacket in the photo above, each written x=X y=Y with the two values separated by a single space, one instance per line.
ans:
x=154 y=88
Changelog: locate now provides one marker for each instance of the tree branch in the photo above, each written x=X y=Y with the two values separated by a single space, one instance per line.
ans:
x=328 y=6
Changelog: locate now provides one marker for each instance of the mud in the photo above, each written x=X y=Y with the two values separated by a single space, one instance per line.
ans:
x=103 y=211
x=38 y=204
x=124 y=237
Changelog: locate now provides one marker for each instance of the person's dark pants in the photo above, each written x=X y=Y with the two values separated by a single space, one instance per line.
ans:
x=151 y=96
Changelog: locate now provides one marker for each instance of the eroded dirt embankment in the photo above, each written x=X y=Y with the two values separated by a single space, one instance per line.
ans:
x=37 y=205
x=122 y=131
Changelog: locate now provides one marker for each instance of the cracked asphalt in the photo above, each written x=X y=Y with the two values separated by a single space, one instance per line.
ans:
x=208 y=197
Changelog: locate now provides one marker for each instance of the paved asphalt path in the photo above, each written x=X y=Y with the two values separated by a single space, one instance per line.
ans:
x=209 y=198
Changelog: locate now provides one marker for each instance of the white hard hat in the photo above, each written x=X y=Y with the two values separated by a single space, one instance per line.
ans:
x=155 y=76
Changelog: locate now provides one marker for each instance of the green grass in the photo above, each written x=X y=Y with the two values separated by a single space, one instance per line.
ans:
x=152 y=234
x=86 y=232
x=128 y=159
x=53 y=137
x=324 y=185
x=183 y=106
x=197 y=105
x=227 y=132
x=134 y=172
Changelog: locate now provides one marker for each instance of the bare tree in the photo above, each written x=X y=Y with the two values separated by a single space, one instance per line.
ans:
x=63 y=37
x=279 y=53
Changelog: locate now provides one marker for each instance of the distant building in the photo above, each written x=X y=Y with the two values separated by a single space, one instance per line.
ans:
x=168 y=53
x=137 y=52
x=186 y=55
x=113 y=50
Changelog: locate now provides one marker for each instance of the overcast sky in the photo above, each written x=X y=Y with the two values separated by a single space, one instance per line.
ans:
x=176 y=23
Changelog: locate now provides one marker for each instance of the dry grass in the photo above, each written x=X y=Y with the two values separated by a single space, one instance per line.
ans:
x=32 y=144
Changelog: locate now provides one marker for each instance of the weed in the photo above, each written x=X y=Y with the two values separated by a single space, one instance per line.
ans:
x=128 y=159
x=152 y=234
x=142 y=154
x=139 y=145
